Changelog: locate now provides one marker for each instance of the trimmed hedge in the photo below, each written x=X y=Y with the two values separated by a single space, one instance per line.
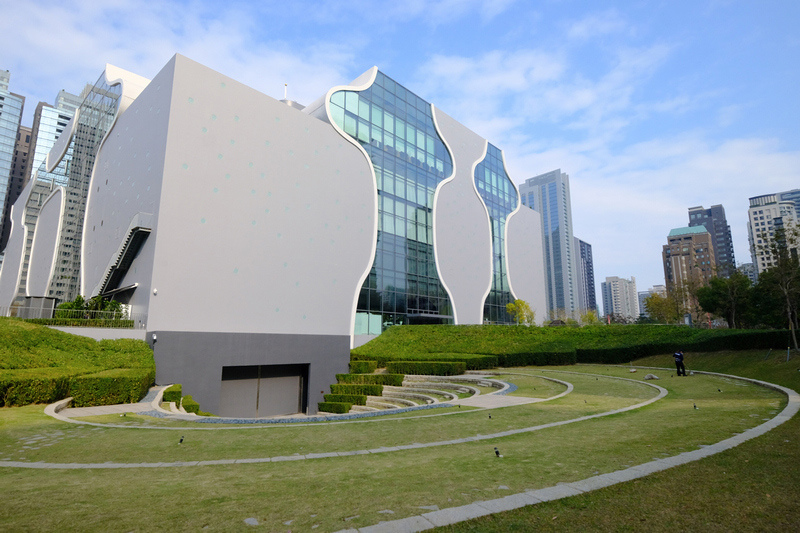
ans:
x=473 y=361
x=363 y=367
x=354 y=388
x=355 y=399
x=33 y=385
x=83 y=322
x=173 y=394
x=119 y=385
x=334 y=407
x=427 y=368
x=189 y=405
x=374 y=379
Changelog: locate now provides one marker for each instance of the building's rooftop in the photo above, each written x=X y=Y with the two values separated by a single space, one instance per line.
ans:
x=687 y=231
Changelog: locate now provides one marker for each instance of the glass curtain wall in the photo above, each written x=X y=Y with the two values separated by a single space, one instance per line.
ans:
x=501 y=198
x=396 y=129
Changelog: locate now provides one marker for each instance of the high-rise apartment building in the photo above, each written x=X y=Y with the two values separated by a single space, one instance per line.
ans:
x=587 y=298
x=620 y=298
x=10 y=116
x=549 y=195
x=715 y=223
x=688 y=258
x=768 y=213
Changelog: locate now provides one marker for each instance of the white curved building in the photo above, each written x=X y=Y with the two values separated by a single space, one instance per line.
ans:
x=262 y=240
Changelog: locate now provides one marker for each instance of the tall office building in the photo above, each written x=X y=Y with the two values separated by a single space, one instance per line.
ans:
x=688 y=258
x=587 y=298
x=328 y=223
x=620 y=298
x=766 y=214
x=549 y=195
x=10 y=116
x=715 y=223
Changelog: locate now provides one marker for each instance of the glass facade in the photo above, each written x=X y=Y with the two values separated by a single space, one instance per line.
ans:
x=74 y=171
x=396 y=129
x=501 y=199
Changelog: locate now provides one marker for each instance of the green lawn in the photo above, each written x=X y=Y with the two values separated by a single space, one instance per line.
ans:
x=357 y=491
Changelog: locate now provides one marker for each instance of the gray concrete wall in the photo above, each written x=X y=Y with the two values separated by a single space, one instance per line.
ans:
x=195 y=359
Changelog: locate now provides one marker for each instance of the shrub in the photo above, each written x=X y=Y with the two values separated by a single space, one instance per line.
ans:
x=334 y=407
x=33 y=385
x=189 y=405
x=375 y=379
x=473 y=361
x=354 y=388
x=173 y=394
x=355 y=399
x=119 y=385
x=427 y=368
x=363 y=367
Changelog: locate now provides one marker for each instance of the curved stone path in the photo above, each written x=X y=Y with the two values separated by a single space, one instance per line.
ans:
x=477 y=509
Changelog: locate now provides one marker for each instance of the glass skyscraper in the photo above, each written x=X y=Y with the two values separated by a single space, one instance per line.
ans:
x=549 y=195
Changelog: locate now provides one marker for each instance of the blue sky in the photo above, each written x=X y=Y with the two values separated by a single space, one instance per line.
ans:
x=651 y=107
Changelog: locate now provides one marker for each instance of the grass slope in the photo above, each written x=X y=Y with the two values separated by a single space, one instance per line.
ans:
x=41 y=365
x=452 y=342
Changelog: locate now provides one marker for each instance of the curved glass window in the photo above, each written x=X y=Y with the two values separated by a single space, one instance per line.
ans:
x=500 y=197
x=396 y=129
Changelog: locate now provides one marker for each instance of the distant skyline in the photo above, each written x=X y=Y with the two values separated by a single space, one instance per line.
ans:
x=650 y=107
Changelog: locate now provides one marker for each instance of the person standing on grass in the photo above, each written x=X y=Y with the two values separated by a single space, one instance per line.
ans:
x=679 y=362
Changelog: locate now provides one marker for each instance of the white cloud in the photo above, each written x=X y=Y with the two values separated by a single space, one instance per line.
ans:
x=595 y=25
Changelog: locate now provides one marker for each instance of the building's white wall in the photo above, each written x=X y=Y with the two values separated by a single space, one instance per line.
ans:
x=266 y=217
x=524 y=250
x=14 y=252
x=45 y=241
x=127 y=181
x=462 y=234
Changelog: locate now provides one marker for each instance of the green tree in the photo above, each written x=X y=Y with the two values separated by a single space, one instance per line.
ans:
x=521 y=311
x=589 y=317
x=784 y=273
x=726 y=297
x=665 y=309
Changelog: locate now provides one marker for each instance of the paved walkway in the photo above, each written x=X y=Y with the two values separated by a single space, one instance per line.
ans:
x=454 y=515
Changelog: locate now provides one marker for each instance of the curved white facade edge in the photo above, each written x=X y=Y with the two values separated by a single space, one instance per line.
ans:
x=451 y=177
x=370 y=76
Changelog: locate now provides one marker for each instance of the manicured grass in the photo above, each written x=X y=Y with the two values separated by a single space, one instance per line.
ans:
x=556 y=345
x=753 y=487
x=342 y=492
